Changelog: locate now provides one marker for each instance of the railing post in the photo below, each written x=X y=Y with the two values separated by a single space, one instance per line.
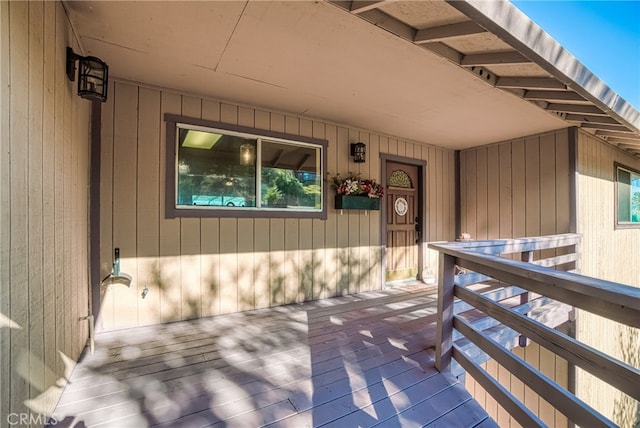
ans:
x=444 y=334
x=525 y=256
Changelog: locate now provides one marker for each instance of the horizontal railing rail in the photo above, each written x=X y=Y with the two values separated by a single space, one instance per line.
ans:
x=485 y=262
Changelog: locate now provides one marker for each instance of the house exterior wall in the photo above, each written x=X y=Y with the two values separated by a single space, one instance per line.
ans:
x=44 y=173
x=515 y=189
x=197 y=267
x=523 y=188
x=609 y=254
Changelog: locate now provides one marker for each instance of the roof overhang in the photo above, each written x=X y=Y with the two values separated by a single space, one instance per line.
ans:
x=454 y=74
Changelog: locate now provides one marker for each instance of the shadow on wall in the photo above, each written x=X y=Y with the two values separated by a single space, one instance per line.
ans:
x=268 y=279
x=623 y=415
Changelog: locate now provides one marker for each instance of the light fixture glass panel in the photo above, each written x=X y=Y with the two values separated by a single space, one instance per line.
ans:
x=200 y=139
x=247 y=154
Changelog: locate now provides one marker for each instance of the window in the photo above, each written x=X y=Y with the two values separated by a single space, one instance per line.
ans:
x=218 y=170
x=628 y=197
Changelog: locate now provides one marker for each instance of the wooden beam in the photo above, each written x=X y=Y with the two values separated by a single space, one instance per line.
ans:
x=518 y=245
x=464 y=279
x=629 y=146
x=618 y=374
x=276 y=159
x=302 y=161
x=442 y=32
x=444 y=331
x=495 y=295
x=444 y=51
x=530 y=83
x=590 y=118
x=567 y=403
x=494 y=58
x=576 y=108
x=363 y=6
x=625 y=135
x=525 y=256
x=389 y=23
x=557 y=260
x=549 y=305
x=618 y=128
x=611 y=300
x=557 y=313
x=554 y=96
x=634 y=144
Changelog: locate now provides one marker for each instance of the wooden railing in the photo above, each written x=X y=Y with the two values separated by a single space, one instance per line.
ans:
x=464 y=265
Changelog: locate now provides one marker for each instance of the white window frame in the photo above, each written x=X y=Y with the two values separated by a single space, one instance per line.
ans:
x=623 y=224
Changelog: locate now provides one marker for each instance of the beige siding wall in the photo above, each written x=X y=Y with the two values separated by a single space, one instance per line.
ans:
x=538 y=357
x=44 y=164
x=607 y=254
x=196 y=267
x=511 y=190
x=516 y=188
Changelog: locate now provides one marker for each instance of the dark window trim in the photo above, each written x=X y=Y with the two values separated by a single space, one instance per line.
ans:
x=618 y=225
x=170 y=188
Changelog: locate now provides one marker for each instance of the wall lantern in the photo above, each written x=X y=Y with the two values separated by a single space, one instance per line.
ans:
x=247 y=154
x=92 y=75
x=359 y=152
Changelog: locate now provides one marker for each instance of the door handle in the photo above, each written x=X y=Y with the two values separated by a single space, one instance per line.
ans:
x=418 y=231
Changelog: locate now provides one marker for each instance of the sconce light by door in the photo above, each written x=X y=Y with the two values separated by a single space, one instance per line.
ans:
x=359 y=152
x=92 y=75
x=247 y=154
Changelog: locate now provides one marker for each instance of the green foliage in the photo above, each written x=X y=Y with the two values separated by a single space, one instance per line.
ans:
x=635 y=207
x=289 y=185
x=273 y=196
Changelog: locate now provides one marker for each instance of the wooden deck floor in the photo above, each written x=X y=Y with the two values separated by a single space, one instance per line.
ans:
x=360 y=360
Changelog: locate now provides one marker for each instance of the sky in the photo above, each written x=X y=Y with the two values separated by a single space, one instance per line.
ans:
x=604 y=35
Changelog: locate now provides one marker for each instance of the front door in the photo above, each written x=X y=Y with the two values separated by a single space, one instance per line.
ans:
x=403 y=223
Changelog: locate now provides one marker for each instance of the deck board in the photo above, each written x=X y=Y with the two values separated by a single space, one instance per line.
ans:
x=357 y=360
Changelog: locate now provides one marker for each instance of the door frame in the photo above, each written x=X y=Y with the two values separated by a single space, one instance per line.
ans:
x=422 y=209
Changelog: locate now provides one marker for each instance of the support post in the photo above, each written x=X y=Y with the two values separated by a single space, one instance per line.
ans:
x=444 y=334
x=525 y=256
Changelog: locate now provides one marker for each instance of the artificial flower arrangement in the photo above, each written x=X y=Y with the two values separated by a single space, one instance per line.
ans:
x=353 y=185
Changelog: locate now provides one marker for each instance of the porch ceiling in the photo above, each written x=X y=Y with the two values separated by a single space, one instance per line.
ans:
x=442 y=73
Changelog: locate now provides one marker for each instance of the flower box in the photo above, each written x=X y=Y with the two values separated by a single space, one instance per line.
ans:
x=351 y=202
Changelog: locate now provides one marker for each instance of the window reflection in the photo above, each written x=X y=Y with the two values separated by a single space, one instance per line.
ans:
x=290 y=176
x=210 y=171
x=628 y=196
x=220 y=169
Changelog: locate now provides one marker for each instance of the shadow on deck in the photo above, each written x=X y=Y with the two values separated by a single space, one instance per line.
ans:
x=359 y=360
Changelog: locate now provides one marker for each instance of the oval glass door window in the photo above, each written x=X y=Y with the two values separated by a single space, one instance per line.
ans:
x=401 y=206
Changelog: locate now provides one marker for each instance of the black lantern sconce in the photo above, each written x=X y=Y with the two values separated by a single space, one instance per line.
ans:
x=359 y=152
x=92 y=75
x=247 y=154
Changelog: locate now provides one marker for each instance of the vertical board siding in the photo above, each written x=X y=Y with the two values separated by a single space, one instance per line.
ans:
x=510 y=190
x=552 y=366
x=608 y=254
x=44 y=233
x=516 y=188
x=194 y=267
x=148 y=204
x=5 y=211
